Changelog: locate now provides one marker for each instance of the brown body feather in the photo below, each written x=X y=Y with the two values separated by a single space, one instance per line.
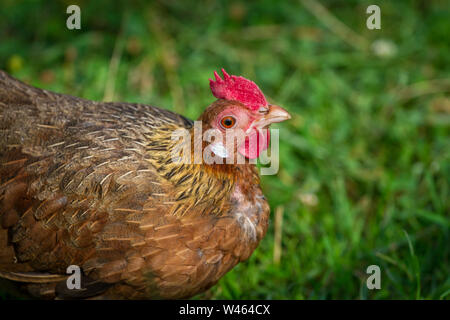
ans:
x=88 y=183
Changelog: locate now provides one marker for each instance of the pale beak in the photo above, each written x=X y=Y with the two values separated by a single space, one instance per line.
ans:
x=274 y=114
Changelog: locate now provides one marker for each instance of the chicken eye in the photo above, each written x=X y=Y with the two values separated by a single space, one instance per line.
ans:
x=228 y=122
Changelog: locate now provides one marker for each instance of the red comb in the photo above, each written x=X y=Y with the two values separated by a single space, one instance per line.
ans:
x=237 y=88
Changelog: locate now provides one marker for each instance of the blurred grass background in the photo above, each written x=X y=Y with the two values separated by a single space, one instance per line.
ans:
x=364 y=173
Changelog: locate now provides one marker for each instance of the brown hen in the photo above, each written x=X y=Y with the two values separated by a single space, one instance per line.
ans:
x=94 y=184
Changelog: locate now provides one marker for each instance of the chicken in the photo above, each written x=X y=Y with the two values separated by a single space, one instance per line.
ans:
x=95 y=185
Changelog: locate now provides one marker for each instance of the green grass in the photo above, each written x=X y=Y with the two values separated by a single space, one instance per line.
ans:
x=364 y=173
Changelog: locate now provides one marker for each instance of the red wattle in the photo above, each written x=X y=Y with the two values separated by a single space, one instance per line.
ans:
x=255 y=143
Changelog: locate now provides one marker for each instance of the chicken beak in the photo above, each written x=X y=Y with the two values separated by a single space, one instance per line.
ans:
x=273 y=115
x=276 y=114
